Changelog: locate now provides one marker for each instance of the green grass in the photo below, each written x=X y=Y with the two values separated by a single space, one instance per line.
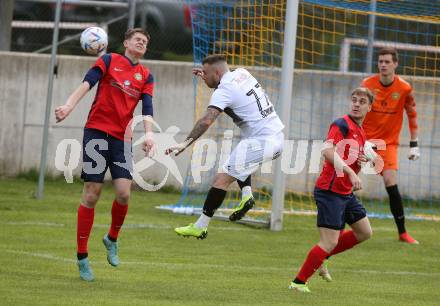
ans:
x=235 y=265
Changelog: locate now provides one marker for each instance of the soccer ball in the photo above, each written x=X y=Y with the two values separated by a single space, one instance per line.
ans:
x=370 y=150
x=94 y=40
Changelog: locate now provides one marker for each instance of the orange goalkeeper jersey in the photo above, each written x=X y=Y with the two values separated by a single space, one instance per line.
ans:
x=384 y=121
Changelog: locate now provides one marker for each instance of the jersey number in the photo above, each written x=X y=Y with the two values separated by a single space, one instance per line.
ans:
x=268 y=107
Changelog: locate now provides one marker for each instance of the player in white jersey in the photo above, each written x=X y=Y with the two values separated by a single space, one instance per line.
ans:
x=239 y=95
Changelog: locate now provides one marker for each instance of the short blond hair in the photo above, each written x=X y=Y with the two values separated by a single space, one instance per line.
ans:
x=364 y=91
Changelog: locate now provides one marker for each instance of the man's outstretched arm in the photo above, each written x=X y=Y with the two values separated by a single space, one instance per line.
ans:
x=198 y=130
x=61 y=112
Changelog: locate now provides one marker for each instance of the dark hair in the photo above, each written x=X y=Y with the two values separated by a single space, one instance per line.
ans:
x=364 y=91
x=213 y=59
x=131 y=32
x=390 y=50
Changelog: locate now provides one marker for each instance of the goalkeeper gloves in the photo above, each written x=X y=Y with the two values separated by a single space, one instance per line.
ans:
x=414 y=152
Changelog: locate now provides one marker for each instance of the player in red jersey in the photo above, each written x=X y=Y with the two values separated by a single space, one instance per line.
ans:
x=123 y=81
x=392 y=96
x=337 y=205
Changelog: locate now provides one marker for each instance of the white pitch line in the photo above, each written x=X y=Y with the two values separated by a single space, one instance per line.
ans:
x=161 y=226
x=48 y=224
x=168 y=227
x=216 y=266
x=390 y=272
x=40 y=255
x=125 y=226
x=137 y=226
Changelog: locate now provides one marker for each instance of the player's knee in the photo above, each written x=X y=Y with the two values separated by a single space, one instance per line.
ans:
x=364 y=234
x=390 y=178
x=221 y=181
x=368 y=234
x=218 y=182
x=91 y=194
x=90 y=198
x=389 y=181
x=123 y=196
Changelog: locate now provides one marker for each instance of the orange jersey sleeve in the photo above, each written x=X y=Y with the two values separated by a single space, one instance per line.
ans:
x=385 y=119
x=410 y=107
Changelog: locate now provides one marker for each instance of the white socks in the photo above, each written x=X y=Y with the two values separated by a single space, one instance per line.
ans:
x=246 y=191
x=203 y=221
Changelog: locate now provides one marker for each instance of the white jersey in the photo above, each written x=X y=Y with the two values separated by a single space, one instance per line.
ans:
x=241 y=97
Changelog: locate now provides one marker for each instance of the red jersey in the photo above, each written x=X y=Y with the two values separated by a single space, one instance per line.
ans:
x=386 y=116
x=119 y=91
x=341 y=132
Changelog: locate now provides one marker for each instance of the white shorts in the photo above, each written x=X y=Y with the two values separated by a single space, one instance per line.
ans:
x=250 y=153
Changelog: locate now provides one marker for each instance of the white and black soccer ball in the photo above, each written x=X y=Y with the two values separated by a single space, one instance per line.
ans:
x=94 y=40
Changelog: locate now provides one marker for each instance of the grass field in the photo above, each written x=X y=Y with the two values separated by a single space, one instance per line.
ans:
x=235 y=265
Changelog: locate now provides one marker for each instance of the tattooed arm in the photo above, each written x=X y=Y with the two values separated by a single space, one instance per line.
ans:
x=203 y=124
x=198 y=130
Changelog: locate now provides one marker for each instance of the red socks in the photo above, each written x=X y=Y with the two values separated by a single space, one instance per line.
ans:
x=85 y=223
x=316 y=256
x=119 y=212
x=313 y=261
x=346 y=241
x=84 y=226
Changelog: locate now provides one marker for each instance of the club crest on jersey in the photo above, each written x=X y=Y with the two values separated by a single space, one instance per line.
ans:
x=395 y=96
x=127 y=83
x=138 y=76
